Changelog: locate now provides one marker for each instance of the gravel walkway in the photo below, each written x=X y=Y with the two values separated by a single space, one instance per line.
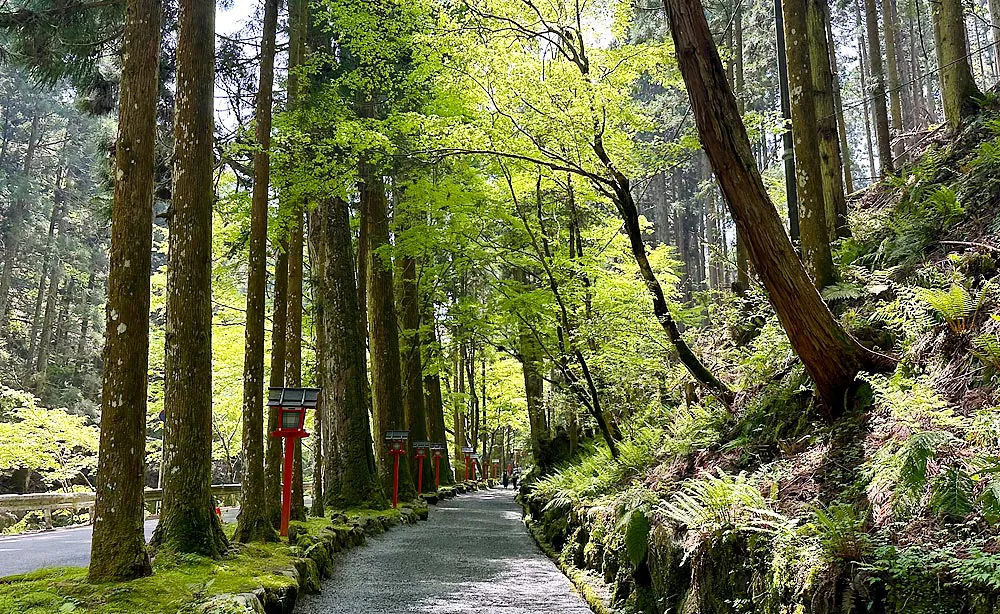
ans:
x=473 y=556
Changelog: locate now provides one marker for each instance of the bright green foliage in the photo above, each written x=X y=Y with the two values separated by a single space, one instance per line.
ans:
x=60 y=446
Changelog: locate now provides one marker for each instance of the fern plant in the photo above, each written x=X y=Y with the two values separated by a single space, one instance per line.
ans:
x=957 y=306
x=719 y=504
x=840 y=530
x=951 y=493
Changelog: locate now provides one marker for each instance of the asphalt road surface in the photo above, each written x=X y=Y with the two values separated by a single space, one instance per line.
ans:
x=473 y=556
x=68 y=547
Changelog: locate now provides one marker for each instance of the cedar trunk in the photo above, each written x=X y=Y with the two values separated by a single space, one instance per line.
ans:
x=413 y=365
x=387 y=391
x=882 y=135
x=273 y=454
x=356 y=481
x=253 y=523
x=118 y=548
x=830 y=355
x=958 y=88
x=432 y=388
x=187 y=521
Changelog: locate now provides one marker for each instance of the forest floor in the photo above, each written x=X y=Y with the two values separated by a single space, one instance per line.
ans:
x=473 y=555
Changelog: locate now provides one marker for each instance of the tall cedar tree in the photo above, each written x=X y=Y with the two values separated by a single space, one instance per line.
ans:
x=830 y=355
x=808 y=174
x=14 y=222
x=352 y=478
x=434 y=400
x=118 y=548
x=298 y=22
x=187 y=521
x=413 y=366
x=882 y=135
x=253 y=523
x=387 y=391
x=958 y=88
x=273 y=445
x=830 y=161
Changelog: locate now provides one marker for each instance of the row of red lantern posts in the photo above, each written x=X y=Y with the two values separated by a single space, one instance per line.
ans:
x=396 y=440
x=291 y=405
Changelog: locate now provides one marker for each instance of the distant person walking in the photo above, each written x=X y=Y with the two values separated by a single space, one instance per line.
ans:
x=506 y=478
x=517 y=474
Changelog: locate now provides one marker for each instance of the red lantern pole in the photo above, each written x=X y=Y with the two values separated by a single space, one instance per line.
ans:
x=286 y=487
x=395 y=479
x=420 y=473
x=437 y=471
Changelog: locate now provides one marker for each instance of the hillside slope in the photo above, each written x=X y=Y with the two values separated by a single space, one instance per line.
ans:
x=765 y=508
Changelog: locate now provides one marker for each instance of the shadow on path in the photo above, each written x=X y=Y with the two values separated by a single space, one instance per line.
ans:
x=474 y=555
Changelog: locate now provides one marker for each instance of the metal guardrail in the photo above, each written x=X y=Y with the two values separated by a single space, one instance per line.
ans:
x=49 y=502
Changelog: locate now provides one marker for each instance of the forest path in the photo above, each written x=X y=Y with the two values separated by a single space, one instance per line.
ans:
x=473 y=555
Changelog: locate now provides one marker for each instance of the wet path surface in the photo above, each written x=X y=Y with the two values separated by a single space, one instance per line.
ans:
x=474 y=555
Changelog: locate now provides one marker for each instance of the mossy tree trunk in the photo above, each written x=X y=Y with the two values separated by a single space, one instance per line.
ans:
x=830 y=355
x=253 y=523
x=187 y=521
x=830 y=160
x=353 y=478
x=809 y=176
x=118 y=548
x=958 y=88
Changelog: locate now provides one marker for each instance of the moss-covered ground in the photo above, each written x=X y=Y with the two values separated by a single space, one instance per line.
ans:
x=178 y=581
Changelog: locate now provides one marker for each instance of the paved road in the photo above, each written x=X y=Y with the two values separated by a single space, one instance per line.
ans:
x=473 y=556
x=69 y=547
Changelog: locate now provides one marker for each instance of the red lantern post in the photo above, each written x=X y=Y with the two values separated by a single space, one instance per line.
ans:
x=397 y=447
x=467 y=452
x=437 y=449
x=291 y=404
x=420 y=451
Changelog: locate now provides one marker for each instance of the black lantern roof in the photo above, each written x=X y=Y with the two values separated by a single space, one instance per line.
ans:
x=421 y=444
x=293 y=397
x=397 y=435
x=467 y=450
x=437 y=446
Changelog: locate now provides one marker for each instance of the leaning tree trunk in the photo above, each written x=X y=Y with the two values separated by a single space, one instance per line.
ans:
x=118 y=548
x=882 y=135
x=343 y=366
x=273 y=466
x=387 y=391
x=187 y=521
x=830 y=355
x=958 y=88
x=253 y=523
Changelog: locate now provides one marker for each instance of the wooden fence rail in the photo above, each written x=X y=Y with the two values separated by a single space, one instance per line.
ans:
x=51 y=501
